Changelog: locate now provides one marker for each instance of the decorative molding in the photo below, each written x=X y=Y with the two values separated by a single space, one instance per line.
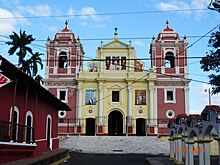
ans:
x=58 y=84
x=170 y=84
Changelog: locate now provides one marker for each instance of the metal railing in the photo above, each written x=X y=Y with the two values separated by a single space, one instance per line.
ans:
x=74 y=125
x=16 y=133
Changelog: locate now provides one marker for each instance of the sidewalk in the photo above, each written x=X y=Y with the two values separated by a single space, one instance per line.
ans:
x=159 y=160
x=53 y=157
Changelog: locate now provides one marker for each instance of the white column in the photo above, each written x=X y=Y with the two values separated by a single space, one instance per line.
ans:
x=179 y=151
x=172 y=149
x=201 y=153
x=207 y=152
x=80 y=102
x=100 y=102
x=177 y=70
x=186 y=90
x=154 y=91
x=186 y=151
x=176 y=150
x=129 y=104
x=191 y=156
x=162 y=70
x=151 y=112
x=101 y=63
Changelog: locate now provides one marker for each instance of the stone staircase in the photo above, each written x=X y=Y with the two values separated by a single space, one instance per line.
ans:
x=116 y=144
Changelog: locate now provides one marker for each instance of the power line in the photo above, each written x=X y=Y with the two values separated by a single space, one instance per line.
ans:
x=103 y=14
x=110 y=39
x=103 y=60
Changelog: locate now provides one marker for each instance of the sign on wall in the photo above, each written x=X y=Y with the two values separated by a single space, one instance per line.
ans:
x=3 y=80
x=90 y=97
x=140 y=97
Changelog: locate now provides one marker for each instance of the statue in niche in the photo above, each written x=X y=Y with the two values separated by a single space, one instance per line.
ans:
x=138 y=66
x=93 y=67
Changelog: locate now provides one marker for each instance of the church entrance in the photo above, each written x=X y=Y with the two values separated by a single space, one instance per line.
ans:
x=140 y=127
x=90 y=127
x=115 y=123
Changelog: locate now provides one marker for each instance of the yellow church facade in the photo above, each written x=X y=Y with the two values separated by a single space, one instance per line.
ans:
x=113 y=95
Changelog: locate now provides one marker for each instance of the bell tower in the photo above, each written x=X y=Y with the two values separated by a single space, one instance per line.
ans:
x=169 y=66
x=64 y=61
x=168 y=53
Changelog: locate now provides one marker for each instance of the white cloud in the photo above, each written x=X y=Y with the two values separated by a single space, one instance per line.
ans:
x=71 y=12
x=39 y=10
x=201 y=92
x=200 y=4
x=100 y=26
x=10 y=3
x=89 y=12
x=181 y=5
x=7 y=25
x=174 y=5
x=52 y=28
x=139 y=43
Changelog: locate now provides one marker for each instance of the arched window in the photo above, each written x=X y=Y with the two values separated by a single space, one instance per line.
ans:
x=28 y=127
x=49 y=131
x=14 y=120
x=62 y=60
x=170 y=60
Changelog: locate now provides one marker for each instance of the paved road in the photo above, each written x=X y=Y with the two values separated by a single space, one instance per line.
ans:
x=116 y=159
x=106 y=159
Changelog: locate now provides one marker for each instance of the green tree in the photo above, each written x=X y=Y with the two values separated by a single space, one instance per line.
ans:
x=211 y=62
x=20 y=44
x=28 y=61
x=39 y=79
x=25 y=67
x=35 y=60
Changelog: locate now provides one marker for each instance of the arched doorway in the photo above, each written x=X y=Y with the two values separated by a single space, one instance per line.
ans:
x=140 y=127
x=90 y=127
x=115 y=123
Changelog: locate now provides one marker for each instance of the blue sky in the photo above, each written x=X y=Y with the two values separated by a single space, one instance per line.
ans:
x=189 y=23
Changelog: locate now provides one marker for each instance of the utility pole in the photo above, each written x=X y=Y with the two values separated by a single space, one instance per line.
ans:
x=209 y=92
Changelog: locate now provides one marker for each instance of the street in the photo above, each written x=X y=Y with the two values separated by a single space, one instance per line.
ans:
x=106 y=159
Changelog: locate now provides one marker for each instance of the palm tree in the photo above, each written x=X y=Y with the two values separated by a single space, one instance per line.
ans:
x=28 y=65
x=35 y=60
x=25 y=67
x=39 y=79
x=20 y=42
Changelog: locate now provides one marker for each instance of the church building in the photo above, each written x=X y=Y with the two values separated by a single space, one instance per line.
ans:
x=115 y=95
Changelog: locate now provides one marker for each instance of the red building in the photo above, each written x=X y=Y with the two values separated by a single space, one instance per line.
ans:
x=64 y=61
x=28 y=115
x=169 y=61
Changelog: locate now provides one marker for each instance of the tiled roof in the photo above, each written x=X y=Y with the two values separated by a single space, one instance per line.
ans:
x=195 y=116
x=213 y=107
x=182 y=116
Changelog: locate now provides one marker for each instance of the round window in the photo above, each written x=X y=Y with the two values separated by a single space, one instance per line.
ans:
x=62 y=114
x=140 y=111
x=90 y=110
x=170 y=114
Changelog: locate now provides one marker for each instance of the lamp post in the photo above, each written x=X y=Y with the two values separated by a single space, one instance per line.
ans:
x=214 y=5
x=209 y=92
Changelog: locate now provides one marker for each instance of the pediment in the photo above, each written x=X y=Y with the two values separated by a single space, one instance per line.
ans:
x=115 y=44
x=115 y=87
